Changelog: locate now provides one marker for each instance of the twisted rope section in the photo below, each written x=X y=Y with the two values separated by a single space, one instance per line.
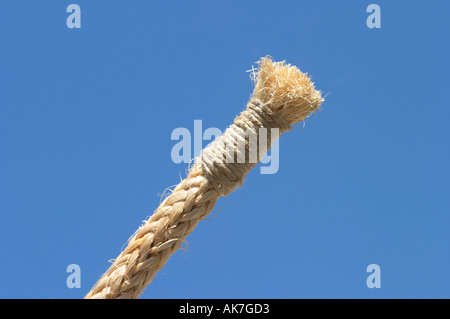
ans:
x=157 y=239
x=228 y=159
x=194 y=198
x=282 y=96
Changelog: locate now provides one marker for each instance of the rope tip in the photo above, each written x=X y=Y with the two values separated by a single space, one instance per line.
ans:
x=286 y=90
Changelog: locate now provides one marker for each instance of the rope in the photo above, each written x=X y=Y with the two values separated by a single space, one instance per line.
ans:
x=282 y=96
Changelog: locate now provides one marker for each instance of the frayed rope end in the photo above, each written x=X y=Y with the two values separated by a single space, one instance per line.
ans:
x=286 y=90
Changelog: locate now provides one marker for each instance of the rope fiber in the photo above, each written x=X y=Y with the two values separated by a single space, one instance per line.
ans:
x=282 y=96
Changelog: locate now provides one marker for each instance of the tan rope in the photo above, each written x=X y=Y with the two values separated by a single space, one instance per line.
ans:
x=282 y=96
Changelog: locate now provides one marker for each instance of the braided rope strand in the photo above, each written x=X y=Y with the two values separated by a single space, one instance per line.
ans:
x=157 y=240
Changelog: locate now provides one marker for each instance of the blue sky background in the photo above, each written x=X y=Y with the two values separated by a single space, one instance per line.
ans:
x=86 y=117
